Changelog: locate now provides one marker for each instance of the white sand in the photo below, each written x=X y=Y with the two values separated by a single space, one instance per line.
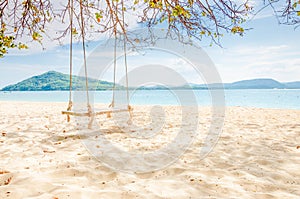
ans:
x=42 y=156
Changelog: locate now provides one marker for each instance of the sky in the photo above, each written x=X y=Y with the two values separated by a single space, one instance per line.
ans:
x=268 y=50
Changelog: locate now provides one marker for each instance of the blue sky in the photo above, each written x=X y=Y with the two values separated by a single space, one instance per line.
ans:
x=269 y=50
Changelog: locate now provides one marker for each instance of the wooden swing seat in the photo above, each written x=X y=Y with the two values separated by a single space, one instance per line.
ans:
x=84 y=112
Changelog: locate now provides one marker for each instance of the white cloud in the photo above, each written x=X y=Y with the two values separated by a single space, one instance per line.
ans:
x=281 y=62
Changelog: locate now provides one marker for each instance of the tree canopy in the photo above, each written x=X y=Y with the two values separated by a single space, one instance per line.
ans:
x=193 y=18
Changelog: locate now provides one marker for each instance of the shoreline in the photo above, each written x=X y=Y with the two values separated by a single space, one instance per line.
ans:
x=147 y=105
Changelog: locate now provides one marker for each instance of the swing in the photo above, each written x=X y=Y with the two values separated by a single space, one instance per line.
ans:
x=89 y=112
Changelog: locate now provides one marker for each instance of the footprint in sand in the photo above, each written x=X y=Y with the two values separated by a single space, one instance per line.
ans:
x=5 y=177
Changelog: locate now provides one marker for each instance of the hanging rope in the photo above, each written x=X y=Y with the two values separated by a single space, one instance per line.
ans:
x=115 y=70
x=125 y=54
x=84 y=59
x=71 y=13
x=112 y=105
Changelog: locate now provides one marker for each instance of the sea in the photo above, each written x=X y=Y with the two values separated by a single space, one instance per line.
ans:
x=259 y=98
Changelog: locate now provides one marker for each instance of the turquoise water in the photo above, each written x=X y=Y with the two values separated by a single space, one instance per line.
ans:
x=260 y=98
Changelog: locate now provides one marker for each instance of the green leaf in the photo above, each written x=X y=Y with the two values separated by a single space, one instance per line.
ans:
x=36 y=36
x=74 y=31
x=237 y=29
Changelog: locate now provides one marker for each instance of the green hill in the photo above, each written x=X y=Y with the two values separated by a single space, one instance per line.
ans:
x=53 y=80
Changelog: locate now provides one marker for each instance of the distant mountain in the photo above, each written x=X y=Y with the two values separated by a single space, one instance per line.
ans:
x=53 y=80
x=292 y=85
x=246 y=84
x=252 y=84
x=152 y=87
x=256 y=84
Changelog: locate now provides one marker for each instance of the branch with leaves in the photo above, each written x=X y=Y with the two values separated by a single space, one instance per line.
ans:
x=190 y=18
x=289 y=14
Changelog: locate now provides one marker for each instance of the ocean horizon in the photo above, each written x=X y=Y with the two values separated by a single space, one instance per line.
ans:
x=257 y=98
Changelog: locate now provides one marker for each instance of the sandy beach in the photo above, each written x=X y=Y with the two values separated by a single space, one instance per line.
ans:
x=43 y=156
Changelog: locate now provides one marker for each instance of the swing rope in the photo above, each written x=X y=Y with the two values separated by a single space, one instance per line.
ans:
x=125 y=60
x=84 y=59
x=125 y=55
x=71 y=13
x=115 y=69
